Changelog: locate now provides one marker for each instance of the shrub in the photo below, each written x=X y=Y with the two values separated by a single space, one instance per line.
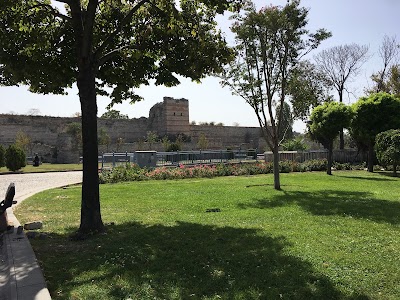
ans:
x=15 y=158
x=173 y=147
x=297 y=144
x=2 y=159
x=128 y=172
x=315 y=165
x=344 y=166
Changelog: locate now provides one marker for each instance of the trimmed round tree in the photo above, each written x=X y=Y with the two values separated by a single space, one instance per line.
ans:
x=372 y=115
x=326 y=121
x=387 y=147
x=15 y=158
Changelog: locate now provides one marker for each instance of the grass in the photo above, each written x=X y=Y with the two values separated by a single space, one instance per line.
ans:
x=46 y=167
x=321 y=237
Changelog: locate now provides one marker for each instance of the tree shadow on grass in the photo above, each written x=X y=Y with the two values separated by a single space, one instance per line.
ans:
x=185 y=261
x=369 y=178
x=361 y=205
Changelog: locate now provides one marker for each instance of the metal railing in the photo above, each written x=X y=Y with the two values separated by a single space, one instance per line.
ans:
x=204 y=157
x=111 y=160
x=340 y=156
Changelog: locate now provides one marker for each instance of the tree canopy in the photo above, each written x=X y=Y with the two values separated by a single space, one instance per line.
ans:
x=113 y=114
x=374 y=114
x=107 y=48
x=326 y=121
x=308 y=87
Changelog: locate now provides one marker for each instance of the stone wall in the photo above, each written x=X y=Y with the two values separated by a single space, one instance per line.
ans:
x=171 y=117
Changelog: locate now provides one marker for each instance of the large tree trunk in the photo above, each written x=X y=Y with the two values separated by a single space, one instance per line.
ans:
x=277 y=182
x=90 y=207
x=330 y=158
x=395 y=170
x=370 y=164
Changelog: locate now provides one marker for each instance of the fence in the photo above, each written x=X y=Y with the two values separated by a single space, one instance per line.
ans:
x=204 y=157
x=340 y=156
x=110 y=160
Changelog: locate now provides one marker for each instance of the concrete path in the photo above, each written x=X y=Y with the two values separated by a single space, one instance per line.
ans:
x=20 y=275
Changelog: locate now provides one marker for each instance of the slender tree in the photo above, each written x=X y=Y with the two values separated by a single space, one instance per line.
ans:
x=270 y=43
x=326 y=121
x=107 y=48
x=388 y=52
x=341 y=64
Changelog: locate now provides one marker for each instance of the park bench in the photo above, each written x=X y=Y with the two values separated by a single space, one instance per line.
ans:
x=6 y=203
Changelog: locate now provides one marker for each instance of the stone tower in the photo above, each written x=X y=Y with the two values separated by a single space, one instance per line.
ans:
x=171 y=117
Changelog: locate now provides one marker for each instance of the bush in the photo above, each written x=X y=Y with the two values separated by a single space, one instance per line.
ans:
x=2 y=159
x=15 y=158
x=173 y=147
x=121 y=173
x=297 y=144
x=315 y=165
x=344 y=166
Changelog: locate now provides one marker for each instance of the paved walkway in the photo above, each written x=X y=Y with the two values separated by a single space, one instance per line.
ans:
x=20 y=275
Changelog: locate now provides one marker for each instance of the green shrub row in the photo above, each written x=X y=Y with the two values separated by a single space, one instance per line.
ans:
x=131 y=172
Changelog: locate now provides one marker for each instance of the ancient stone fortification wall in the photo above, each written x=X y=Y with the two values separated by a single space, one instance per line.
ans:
x=171 y=117
x=228 y=136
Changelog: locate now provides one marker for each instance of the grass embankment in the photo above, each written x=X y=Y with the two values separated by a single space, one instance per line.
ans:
x=321 y=237
x=46 y=168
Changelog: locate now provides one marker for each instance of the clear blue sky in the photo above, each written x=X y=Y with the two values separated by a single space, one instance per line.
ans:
x=350 y=21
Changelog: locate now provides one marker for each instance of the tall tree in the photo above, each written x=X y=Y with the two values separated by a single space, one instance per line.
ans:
x=308 y=87
x=388 y=52
x=270 y=42
x=341 y=64
x=107 y=48
x=374 y=114
x=326 y=121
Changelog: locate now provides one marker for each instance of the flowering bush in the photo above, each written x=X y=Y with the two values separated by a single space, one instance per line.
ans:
x=132 y=172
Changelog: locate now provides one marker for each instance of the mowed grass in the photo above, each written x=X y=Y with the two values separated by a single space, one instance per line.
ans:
x=46 y=167
x=320 y=237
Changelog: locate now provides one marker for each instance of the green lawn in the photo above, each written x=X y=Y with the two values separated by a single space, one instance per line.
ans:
x=47 y=168
x=321 y=237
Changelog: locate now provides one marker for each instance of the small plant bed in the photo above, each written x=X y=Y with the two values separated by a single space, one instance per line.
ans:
x=132 y=172
x=320 y=237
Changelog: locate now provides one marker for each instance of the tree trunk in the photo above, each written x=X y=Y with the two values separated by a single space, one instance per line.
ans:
x=370 y=158
x=341 y=139
x=341 y=134
x=330 y=156
x=277 y=183
x=90 y=207
x=395 y=170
